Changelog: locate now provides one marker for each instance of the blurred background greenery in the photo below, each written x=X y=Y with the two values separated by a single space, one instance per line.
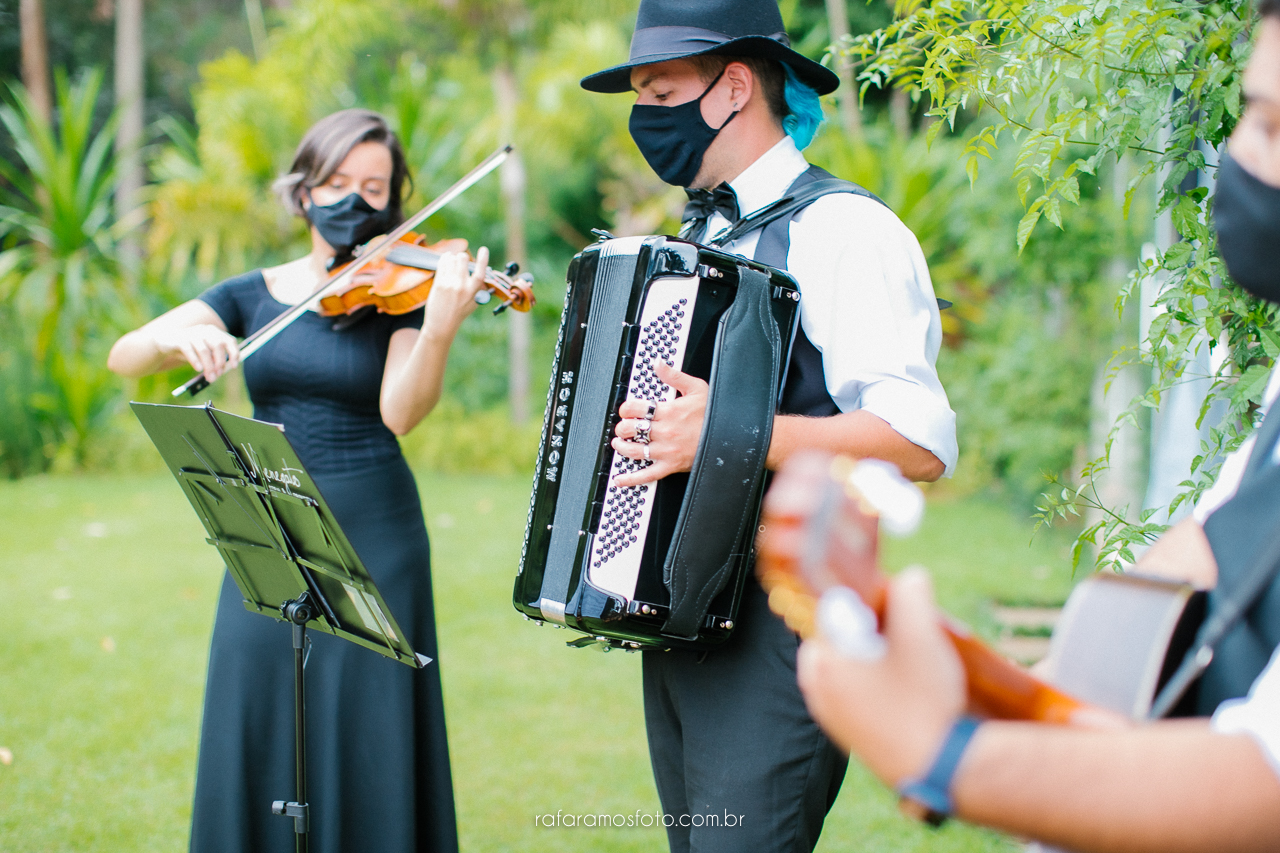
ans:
x=228 y=87
x=137 y=146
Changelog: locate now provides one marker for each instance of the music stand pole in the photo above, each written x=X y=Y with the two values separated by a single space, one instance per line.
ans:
x=299 y=612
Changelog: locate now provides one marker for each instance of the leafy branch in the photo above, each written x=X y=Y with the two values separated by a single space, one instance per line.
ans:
x=1157 y=80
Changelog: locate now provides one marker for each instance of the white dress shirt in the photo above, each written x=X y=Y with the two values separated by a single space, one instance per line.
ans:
x=867 y=303
x=1257 y=715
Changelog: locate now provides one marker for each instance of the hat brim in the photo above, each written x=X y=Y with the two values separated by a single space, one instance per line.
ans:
x=618 y=78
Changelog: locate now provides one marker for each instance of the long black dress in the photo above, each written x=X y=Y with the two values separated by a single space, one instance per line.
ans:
x=378 y=762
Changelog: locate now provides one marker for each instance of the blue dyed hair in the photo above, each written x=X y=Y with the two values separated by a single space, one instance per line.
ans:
x=804 y=112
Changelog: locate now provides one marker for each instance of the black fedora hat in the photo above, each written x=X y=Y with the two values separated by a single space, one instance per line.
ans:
x=674 y=29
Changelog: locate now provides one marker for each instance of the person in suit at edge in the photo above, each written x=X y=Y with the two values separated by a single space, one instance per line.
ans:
x=1198 y=784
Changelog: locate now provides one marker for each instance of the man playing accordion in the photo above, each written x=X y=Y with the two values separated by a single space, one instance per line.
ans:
x=724 y=108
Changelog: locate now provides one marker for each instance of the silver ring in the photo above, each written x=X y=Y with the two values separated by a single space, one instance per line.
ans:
x=642 y=431
x=646 y=454
x=653 y=410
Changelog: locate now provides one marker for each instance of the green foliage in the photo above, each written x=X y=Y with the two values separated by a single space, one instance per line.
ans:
x=1020 y=388
x=27 y=433
x=213 y=214
x=453 y=439
x=60 y=282
x=181 y=34
x=921 y=183
x=1078 y=85
x=202 y=225
x=1027 y=329
x=1020 y=377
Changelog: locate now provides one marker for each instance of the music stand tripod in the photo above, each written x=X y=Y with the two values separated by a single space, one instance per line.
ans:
x=281 y=543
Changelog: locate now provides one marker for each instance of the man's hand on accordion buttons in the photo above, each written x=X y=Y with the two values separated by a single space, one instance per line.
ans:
x=673 y=432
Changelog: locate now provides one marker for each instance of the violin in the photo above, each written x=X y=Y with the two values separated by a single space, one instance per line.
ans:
x=338 y=282
x=400 y=279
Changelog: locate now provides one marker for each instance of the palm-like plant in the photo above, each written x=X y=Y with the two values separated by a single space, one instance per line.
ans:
x=59 y=276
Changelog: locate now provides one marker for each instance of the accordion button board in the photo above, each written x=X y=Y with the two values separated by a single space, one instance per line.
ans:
x=594 y=553
x=624 y=523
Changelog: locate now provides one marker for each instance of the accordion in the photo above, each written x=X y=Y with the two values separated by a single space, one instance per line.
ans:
x=660 y=565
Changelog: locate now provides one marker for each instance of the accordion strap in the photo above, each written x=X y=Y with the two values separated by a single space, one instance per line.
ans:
x=730 y=457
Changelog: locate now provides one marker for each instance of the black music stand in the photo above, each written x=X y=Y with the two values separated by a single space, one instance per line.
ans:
x=279 y=540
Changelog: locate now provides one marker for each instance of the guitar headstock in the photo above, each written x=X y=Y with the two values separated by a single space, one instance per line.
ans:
x=821 y=528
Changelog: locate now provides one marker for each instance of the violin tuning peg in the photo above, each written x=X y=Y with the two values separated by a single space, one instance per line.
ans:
x=512 y=268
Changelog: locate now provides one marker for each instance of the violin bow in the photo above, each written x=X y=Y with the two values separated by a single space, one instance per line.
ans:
x=260 y=338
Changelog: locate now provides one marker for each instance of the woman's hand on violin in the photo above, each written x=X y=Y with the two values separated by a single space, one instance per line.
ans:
x=414 y=374
x=452 y=297
x=207 y=348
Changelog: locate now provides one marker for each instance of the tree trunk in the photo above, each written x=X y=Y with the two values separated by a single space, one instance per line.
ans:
x=35 y=57
x=1121 y=486
x=900 y=111
x=512 y=175
x=131 y=102
x=257 y=26
x=847 y=94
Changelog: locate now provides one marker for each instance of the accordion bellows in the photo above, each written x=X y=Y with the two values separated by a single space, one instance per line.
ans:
x=660 y=565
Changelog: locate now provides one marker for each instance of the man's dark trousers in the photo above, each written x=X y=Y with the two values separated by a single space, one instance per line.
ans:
x=737 y=759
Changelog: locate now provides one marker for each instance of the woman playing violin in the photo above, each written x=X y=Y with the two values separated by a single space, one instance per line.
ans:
x=378 y=760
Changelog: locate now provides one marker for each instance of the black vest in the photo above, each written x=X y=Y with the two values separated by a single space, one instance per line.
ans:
x=1237 y=532
x=806 y=390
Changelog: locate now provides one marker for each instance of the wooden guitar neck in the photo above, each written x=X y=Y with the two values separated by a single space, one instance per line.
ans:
x=819 y=530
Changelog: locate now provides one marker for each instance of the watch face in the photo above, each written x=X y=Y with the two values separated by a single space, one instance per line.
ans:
x=917 y=810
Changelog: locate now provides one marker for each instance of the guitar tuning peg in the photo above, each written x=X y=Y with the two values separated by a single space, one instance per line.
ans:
x=512 y=269
x=850 y=625
x=898 y=501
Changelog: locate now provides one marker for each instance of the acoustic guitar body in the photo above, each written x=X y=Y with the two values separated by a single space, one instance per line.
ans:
x=1120 y=638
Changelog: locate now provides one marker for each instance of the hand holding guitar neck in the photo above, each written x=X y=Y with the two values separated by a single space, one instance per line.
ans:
x=821 y=524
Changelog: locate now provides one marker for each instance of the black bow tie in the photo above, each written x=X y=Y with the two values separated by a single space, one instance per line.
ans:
x=703 y=203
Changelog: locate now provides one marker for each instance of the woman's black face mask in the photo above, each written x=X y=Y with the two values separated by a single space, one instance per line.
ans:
x=675 y=139
x=349 y=222
x=1246 y=215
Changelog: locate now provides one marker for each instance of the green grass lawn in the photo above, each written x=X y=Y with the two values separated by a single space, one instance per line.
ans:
x=107 y=592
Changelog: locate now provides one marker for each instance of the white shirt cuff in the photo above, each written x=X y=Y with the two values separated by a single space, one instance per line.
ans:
x=915 y=413
x=1258 y=715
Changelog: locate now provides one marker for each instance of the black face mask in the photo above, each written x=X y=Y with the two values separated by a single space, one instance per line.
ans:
x=675 y=139
x=1246 y=215
x=348 y=223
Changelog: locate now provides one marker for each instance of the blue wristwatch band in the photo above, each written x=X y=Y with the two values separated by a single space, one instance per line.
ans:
x=933 y=791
